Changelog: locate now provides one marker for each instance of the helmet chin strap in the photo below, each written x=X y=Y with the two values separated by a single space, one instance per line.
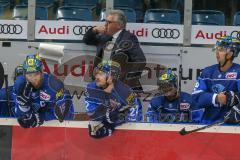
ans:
x=225 y=62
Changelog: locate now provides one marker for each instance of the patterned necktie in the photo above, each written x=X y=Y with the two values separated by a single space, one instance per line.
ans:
x=108 y=49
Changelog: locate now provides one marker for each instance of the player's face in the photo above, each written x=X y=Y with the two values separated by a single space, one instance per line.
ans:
x=100 y=79
x=171 y=94
x=220 y=54
x=111 y=25
x=35 y=79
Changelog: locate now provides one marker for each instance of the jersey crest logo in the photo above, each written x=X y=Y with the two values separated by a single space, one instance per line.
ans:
x=231 y=75
x=184 y=106
x=44 y=96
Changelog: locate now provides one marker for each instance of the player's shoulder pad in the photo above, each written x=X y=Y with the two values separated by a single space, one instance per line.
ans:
x=125 y=92
x=236 y=67
x=206 y=72
x=54 y=83
x=92 y=85
x=156 y=101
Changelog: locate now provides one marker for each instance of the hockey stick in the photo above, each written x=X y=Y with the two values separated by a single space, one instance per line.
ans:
x=183 y=131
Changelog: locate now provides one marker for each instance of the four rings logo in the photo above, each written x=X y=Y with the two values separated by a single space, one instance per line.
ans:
x=165 y=33
x=10 y=29
x=81 y=30
x=236 y=34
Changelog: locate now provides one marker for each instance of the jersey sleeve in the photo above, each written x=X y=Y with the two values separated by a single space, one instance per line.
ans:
x=201 y=94
x=63 y=98
x=135 y=112
x=17 y=90
x=92 y=99
x=153 y=111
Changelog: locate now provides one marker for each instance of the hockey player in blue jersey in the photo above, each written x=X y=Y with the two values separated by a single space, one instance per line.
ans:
x=110 y=101
x=6 y=96
x=169 y=105
x=217 y=88
x=39 y=96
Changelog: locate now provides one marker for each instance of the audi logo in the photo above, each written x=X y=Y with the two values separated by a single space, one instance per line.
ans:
x=165 y=33
x=236 y=34
x=10 y=29
x=81 y=30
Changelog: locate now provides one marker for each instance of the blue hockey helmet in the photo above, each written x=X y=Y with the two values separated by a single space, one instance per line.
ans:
x=109 y=67
x=230 y=43
x=32 y=64
x=166 y=81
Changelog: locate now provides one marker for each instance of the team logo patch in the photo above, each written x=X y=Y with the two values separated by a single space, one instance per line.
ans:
x=184 y=106
x=130 y=98
x=59 y=93
x=231 y=75
x=44 y=96
x=196 y=85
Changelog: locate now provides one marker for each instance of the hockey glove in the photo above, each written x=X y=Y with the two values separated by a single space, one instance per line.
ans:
x=100 y=131
x=152 y=117
x=23 y=99
x=232 y=98
x=116 y=116
x=30 y=120
x=233 y=116
x=61 y=109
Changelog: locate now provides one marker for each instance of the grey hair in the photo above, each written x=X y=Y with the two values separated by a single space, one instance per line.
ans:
x=122 y=19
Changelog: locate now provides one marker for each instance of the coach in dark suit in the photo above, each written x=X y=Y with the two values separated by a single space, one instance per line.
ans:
x=115 y=43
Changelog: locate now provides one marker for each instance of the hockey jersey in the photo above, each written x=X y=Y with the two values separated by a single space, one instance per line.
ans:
x=211 y=82
x=43 y=100
x=120 y=97
x=162 y=110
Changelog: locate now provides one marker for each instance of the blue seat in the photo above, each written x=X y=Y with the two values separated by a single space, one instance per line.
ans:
x=163 y=16
x=42 y=3
x=83 y=3
x=74 y=13
x=5 y=3
x=134 y=4
x=21 y=12
x=137 y=5
x=129 y=13
x=236 y=19
x=208 y=17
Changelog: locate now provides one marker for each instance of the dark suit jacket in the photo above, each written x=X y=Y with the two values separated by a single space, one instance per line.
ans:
x=126 y=51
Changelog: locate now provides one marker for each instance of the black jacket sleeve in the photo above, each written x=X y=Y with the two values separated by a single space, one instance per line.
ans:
x=91 y=38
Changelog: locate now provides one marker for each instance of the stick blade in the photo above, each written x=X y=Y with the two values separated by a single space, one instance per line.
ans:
x=183 y=132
